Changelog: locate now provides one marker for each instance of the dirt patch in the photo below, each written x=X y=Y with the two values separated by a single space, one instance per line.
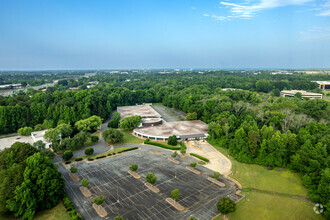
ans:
x=173 y=160
x=269 y=168
x=152 y=187
x=175 y=204
x=135 y=175
x=156 y=152
x=85 y=191
x=194 y=170
x=74 y=177
x=216 y=182
x=100 y=210
x=218 y=161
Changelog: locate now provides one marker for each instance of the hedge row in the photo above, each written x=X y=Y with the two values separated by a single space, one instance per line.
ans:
x=121 y=151
x=162 y=145
x=78 y=159
x=70 y=208
x=200 y=157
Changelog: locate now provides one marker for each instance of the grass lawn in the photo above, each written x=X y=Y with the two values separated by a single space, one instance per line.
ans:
x=129 y=138
x=258 y=205
x=271 y=207
x=56 y=213
x=258 y=177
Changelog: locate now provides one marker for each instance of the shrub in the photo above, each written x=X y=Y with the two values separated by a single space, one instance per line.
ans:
x=67 y=155
x=118 y=218
x=102 y=156
x=174 y=154
x=110 y=154
x=193 y=164
x=200 y=157
x=78 y=159
x=182 y=151
x=38 y=127
x=151 y=178
x=216 y=175
x=99 y=200
x=26 y=131
x=95 y=138
x=88 y=141
x=182 y=145
x=89 y=151
x=73 y=169
x=175 y=194
x=48 y=153
x=90 y=159
x=84 y=182
x=67 y=162
x=40 y=145
x=161 y=145
x=172 y=140
x=226 y=205
x=67 y=203
x=134 y=167
x=191 y=116
x=201 y=163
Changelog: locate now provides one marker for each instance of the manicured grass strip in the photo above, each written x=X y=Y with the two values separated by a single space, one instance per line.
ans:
x=162 y=145
x=200 y=157
x=115 y=151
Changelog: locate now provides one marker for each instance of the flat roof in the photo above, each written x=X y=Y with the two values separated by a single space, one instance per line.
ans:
x=178 y=128
x=145 y=111
x=301 y=91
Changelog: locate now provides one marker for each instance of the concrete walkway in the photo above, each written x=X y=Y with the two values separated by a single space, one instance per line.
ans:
x=218 y=162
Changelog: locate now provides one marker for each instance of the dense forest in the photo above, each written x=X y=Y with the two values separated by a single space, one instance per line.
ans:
x=251 y=120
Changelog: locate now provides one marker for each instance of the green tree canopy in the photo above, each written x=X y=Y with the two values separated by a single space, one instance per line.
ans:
x=175 y=194
x=172 y=140
x=42 y=188
x=151 y=178
x=26 y=131
x=130 y=123
x=226 y=205
x=89 y=124
x=112 y=135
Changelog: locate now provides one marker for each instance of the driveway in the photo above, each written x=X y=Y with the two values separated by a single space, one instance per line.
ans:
x=99 y=147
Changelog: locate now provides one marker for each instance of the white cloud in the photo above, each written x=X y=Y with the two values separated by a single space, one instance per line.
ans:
x=324 y=13
x=206 y=15
x=325 y=9
x=193 y=8
x=248 y=11
x=219 y=18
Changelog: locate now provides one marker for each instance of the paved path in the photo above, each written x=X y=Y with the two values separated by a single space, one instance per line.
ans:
x=218 y=162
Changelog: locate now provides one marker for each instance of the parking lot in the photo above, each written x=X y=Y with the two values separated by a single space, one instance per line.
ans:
x=129 y=198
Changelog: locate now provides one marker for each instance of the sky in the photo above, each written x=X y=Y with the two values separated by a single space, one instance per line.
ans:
x=129 y=34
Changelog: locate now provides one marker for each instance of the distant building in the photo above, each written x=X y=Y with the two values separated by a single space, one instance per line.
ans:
x=8 y=86
x=304 y=94
x=324 y=85
x=39 y=136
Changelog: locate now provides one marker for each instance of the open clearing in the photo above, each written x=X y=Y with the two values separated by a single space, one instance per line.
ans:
x=129 y=198
x=269 y=205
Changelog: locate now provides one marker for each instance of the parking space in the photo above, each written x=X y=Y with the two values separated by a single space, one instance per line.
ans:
x=129 y=198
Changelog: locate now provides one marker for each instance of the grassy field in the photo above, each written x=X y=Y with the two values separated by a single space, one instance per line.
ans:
x=56 y=213
x=129 y=138
x=258 y=205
